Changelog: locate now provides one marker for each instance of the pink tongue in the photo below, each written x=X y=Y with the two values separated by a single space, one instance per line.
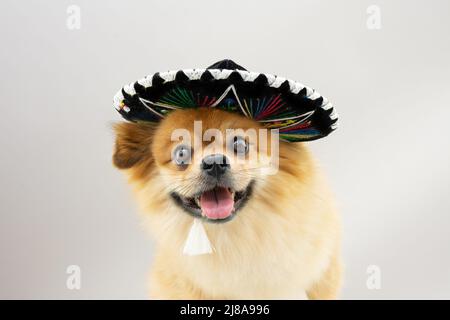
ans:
x=217 y=203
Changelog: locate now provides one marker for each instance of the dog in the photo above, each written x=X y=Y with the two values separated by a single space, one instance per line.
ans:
x=275 y=236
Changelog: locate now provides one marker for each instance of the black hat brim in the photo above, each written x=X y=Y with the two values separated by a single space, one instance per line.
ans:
x=298 y=112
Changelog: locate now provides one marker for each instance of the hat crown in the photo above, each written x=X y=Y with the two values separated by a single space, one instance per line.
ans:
x=226 y=64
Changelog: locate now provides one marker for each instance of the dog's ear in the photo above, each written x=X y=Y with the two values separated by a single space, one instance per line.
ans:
x=133 y=143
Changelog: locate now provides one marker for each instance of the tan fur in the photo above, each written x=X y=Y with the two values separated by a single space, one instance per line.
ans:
x=284 y=241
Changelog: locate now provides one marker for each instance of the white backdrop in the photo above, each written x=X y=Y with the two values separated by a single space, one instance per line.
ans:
x=62 y=202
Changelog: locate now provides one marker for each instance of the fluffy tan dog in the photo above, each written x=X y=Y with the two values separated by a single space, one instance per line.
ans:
x=275 y=236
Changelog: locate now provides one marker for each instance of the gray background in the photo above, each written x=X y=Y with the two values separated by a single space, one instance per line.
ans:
x=63 y=203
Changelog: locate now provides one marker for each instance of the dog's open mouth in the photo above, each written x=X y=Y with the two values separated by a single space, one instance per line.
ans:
x=219 y=204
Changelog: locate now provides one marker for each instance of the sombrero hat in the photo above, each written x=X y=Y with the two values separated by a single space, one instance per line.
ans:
x=299 y=112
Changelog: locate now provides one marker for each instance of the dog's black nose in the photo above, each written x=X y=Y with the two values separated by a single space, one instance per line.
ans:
x=215 y=165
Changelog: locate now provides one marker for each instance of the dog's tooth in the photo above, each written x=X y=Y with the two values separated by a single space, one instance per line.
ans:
x=197 y=201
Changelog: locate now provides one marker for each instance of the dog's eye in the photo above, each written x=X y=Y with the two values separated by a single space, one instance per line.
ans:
x=240 y=146
x=182 y=155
